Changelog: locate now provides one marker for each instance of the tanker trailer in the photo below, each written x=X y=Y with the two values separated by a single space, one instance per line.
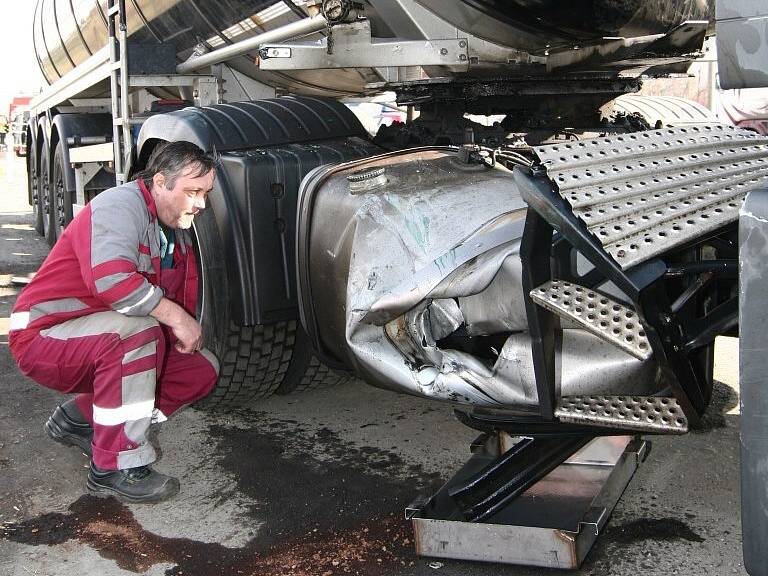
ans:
x=639 y=223
x=562 y=271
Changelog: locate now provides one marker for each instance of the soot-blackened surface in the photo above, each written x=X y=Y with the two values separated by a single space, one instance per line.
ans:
x=339 y=484
x=657 y=529
x=321 y=508
x=724 y=399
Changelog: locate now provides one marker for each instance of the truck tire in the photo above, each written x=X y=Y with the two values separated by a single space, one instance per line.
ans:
x=61 y=198
x=306 y=372
x=33 y=170
x=44 y=194
x=253 y=359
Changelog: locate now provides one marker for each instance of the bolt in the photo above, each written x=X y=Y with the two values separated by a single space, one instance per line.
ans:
x=443 y=51
x=462 y=56
x=462 y=43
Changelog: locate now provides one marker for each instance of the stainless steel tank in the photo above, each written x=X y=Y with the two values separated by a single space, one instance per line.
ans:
x=535 y=25
x=67 y=32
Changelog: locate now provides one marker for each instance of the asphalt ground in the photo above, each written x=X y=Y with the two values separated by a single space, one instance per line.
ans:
x=315 y=484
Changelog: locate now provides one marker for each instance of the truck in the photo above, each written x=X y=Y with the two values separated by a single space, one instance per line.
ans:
x=559 y=274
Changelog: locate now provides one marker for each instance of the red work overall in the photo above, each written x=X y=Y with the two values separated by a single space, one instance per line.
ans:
x=126 y=371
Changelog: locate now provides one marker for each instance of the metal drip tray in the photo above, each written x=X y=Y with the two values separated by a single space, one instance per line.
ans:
x=552 y=524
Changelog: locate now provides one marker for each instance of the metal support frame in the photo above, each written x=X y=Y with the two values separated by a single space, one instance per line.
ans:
x=483 y=494
x=292 y=30
x=87 y=161
x=118 y=79
x=535 y=258
x=351 y=46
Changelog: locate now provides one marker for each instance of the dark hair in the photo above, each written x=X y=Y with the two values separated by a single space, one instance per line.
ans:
x=172 y=158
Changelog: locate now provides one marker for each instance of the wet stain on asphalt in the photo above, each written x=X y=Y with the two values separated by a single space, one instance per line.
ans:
x=724 y=398
x=347 y=518
x=343 y=484
x=657 y=529
x=645 y=537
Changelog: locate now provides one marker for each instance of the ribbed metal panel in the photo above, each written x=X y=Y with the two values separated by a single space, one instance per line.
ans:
x=642 y=194
x=661 y=111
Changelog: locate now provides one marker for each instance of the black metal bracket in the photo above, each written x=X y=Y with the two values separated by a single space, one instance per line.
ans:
x=675 y=340
x=535 y=250
x=485 y=493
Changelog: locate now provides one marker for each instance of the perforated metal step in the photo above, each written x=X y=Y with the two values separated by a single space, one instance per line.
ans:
x=647 y=413
x=596 y=313
x=641 y=194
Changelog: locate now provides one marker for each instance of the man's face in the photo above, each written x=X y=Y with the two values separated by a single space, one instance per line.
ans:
x=177 y=206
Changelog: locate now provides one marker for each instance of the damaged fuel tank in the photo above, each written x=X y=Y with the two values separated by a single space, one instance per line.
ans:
x=410 y=272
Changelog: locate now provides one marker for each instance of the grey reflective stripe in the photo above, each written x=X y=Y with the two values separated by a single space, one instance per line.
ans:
x=211 y=357
x=140 y=456
x=55 y=307
x=148 y=294
x=138 y=389
x=107 y=282
x=148 y=349
x=136 y=430
x=100 y=323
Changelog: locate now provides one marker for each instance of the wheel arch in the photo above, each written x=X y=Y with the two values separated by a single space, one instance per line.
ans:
x=228 y=223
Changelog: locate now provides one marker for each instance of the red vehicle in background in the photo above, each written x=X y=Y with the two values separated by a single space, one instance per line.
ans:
x=18 y=116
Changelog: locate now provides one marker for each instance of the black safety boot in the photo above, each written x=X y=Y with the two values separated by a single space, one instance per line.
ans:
x=68 y=426
x=139 y=485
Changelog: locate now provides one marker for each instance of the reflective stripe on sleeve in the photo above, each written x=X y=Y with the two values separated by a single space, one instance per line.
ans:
x=147 y=296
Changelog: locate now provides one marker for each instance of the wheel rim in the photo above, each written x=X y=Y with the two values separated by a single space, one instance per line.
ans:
x=59 y=200
x=35 y=193
x=46 y=200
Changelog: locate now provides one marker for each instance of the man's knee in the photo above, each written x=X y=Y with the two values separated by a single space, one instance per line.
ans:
x=105 y=324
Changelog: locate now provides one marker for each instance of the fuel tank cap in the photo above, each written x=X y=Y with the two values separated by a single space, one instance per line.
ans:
x=366 y=179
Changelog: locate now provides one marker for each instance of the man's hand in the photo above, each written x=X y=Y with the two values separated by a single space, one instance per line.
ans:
x=184 y=327
x=189 y=333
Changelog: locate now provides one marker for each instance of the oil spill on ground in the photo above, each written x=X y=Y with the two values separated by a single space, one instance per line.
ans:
x=336 y=516
x=339 y=485
x=110 y=528
x=609 y=554
x=651 y=529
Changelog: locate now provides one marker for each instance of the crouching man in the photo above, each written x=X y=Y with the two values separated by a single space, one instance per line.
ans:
x=110 y=317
